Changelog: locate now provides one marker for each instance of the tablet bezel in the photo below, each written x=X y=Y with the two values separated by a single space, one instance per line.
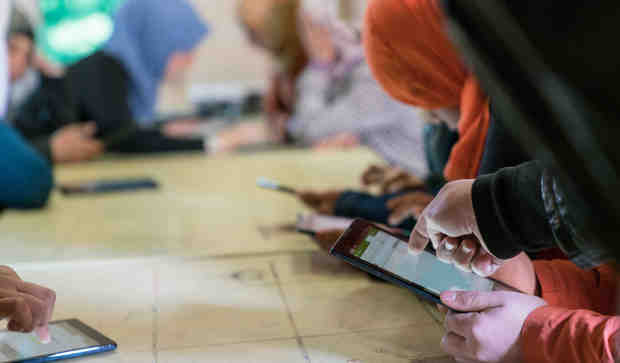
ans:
x=104 y=344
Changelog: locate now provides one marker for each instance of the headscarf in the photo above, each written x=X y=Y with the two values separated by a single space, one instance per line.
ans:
x=412 y=57
x=146 y=34
x=20 y=24
x=275 y=24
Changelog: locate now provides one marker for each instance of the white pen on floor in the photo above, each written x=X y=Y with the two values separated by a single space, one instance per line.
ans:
x=272 y=185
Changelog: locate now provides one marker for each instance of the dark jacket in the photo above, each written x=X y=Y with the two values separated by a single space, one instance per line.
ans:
x=554 y=83
x=94 y=89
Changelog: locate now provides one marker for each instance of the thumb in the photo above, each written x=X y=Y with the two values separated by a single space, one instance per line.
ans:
x=89 y=129
x=472 y=301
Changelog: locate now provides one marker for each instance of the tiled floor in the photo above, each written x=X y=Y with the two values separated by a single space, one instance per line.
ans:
x=197 y=271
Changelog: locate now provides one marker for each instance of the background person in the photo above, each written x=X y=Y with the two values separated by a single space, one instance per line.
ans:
x=106 y=102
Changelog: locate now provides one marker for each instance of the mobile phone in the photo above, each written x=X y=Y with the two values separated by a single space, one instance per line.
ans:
x=109 y=186
x=386 y=255
x=70 y=339
x=272 y=185
x=311 y=224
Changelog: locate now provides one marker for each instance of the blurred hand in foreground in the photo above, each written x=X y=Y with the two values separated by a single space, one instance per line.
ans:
x=28 y=307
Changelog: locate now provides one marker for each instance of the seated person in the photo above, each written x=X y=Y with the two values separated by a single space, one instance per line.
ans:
x=23 y=81
x=479 y=223
x=426 y=74
x=106 y=102
x=26 y=180
x=272 y=25
x=336 y=101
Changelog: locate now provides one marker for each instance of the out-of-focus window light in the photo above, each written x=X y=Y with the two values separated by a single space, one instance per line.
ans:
x=74 y=29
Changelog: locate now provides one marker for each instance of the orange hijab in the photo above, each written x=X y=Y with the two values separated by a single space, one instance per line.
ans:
x=412 y=57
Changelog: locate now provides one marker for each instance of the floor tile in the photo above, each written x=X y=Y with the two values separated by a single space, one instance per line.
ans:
x=403 y=345
x=217 y=302
x=259 y=352
x=314 y=266
x=116 y=297
x=204 y=206
x=348 y=306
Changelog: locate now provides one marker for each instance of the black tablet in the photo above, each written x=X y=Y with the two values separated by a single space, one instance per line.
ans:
x=70 y=339
x=386 y=255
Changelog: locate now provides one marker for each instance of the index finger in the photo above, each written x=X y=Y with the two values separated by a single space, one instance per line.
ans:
x=47 y=296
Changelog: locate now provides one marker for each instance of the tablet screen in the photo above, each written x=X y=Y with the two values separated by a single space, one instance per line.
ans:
x=392 y=254
x=65 y=337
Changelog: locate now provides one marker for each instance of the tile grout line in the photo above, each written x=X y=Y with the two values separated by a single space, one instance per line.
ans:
x=155 y=310
x=300 y=342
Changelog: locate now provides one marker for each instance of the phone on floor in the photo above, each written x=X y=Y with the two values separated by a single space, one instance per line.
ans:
x=70 y=339
x=109 y=186
x=311 y=224
x=385 y=255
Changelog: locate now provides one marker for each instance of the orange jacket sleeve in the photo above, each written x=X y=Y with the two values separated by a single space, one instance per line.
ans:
x=553 y=334
x=563 y=284
x=577 y=325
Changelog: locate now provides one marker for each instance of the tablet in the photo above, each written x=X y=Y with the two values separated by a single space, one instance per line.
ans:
x=109 y=186
x=70 y=339
x=386 y=255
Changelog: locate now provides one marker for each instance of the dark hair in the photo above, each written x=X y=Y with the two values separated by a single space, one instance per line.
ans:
x=20 y=25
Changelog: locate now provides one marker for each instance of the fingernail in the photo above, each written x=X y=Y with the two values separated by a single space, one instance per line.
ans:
x=448 y=296
x=414 y=252
x=486 y=270
x=466 y=248
x=466 y=268
x=449 y=246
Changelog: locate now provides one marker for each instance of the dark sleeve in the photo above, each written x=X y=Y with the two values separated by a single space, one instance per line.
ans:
x=49 y=108
x=373 y=208
x=26 y=179
x=101 y=86
x=510 y=210
x=501 y=150
x=438 y=143
x=153 y=141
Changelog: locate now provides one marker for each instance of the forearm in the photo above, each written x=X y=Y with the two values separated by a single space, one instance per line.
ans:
x=362 y=205
x=153 y=141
